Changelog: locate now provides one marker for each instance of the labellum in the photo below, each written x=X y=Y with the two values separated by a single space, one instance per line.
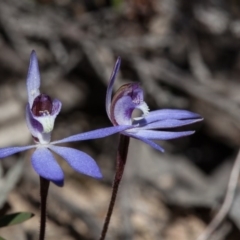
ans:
x=127 y=98
x=42 y=105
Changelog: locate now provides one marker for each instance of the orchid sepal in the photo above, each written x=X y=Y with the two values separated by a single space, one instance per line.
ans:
x=110 y=85
x=94 y=134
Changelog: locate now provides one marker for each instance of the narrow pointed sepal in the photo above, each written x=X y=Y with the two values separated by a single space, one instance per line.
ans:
x=8 y=151
x=147 y=141
x=169 y=123
x=79 y=161
x=165 y=114
x=33 y=78
x=161 y=135
x=46 y=166
x=110 y=85
x=99 y=133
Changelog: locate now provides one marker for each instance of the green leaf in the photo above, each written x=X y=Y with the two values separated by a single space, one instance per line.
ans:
x=14 y=218
x=2 y=238
x=116 y=3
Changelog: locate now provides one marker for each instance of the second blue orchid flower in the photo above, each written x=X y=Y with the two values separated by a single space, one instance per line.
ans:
x=150 y=126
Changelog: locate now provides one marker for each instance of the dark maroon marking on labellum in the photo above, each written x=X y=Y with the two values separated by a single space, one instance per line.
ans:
x=42 y=105
x=36 y=140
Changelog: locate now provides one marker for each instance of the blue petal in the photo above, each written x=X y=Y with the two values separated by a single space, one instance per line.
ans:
x=169 y=123
x=99 y=133
x=147 y=141
x=164 y=114
x=33 y=79
x=110 y=85
x=161 y=135
x=47 y=167
x=79 y=161
x=5 y=152
x=56 y=108
x=33 y=125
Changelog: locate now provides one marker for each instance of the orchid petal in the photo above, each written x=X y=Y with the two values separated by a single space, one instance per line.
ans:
x=8 y=151
x=56 y=108
x=147 y=141
x=161 y=135
x=99 y=133
x=164 y=114
x=47 y=167
x=168 y=123
x=33 y=125
x=110 y=85
x=33 y=78
x=79 y=161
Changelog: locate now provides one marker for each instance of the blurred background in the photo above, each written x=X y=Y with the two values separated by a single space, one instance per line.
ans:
x=184 y=53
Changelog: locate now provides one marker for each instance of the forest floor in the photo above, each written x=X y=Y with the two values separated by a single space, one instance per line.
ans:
x=185 y=54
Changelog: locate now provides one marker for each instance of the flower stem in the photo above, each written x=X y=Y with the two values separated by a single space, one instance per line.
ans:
x=121 y=161
x=44 y=185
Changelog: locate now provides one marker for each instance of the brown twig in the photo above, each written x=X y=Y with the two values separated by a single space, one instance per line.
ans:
x=232 y=185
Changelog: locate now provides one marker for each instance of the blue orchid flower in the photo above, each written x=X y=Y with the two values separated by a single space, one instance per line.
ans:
x=41 y=112
x=153 y=125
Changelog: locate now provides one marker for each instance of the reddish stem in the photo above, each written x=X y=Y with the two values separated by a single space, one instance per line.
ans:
x=44 y=186
x=120 y=165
